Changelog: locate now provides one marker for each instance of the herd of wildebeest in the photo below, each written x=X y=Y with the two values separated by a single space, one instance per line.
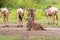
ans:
x=31 y=24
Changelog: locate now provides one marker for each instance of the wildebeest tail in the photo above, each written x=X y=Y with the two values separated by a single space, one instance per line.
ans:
x=20 y=17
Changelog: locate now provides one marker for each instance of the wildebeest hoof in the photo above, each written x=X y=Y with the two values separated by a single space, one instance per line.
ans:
x=3 y=26
x=18 y=26
x=28 y=29
x=21 y=26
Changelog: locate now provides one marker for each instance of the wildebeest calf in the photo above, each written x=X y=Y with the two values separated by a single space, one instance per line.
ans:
x=31 y=25
x=20 y=14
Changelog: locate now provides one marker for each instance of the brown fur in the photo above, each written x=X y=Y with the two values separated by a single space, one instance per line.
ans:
x=20 y=15
x=53 y=15
x=5 y=14
x=31 y=25
x=31 y=13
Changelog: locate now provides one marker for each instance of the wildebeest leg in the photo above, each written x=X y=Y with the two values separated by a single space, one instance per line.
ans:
x=20 y=22
x=5 y=20
x=48 y=20
x=53 y=20
x=32 y=29
x=56 y=21
x=41 y=27
x=29 y=28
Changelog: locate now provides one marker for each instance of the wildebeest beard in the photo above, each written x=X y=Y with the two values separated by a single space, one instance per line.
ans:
x=20 y=17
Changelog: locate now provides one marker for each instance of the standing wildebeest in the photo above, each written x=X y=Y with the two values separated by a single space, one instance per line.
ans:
x=53 y=13
x=31 y=25
x=20 y=14
x=5 y=14
x=31 y=12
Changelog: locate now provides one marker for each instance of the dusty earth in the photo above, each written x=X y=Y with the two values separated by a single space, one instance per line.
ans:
x=23 y=34
x=14 y=30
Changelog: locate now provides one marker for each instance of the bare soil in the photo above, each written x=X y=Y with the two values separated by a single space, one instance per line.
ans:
x=14 y=30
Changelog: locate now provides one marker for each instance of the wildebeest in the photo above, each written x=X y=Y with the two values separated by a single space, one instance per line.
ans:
x=5 y=15
x=20 y=14
x=31 y=25
x=53 y=13
x=31 y=12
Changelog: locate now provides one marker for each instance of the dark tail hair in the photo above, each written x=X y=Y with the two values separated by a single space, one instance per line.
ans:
x=20 y=17
x=57 y=17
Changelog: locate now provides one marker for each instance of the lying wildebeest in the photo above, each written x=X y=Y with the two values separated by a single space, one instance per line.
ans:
x=31 y=12
x=31 y=25
x=20 y=14
x=53 y=13
x=5 y=14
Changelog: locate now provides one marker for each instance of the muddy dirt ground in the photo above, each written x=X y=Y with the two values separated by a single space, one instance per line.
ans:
x=14 y=30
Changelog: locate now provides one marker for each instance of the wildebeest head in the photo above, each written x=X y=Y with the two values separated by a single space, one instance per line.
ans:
x=46 y=10
x=49 y=6
x=31 y=12
x=30 y=19
x=31 y=9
